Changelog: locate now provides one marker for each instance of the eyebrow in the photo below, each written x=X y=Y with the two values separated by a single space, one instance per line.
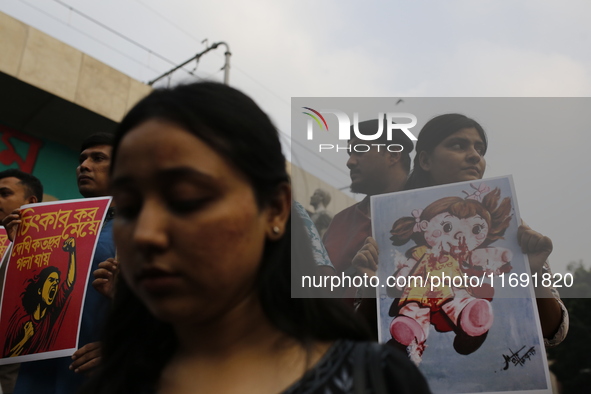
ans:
x=168 y=176
x=464 y=139
x=94 y=154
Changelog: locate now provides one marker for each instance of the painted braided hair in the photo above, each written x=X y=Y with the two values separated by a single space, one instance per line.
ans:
x=497 y=216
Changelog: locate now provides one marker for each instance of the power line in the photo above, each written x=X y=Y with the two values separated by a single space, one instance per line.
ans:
x=282 y=133
x=114 y=32
x=201 y=42
x=88 y=35
x=122 y=36
x=168 y=20
x=150 y=51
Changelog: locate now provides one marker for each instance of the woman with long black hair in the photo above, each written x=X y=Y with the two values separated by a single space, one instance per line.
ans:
x=204 y=235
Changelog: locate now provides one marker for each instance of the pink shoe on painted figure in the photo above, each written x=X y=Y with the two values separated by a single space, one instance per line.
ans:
x=405 y=330
x=476 y=318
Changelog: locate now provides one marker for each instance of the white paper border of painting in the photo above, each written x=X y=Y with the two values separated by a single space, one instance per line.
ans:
x=74 y=200
x=515 y=222
x=86 y=284
x=63 y=352
x=37 y=356
x=5 y=258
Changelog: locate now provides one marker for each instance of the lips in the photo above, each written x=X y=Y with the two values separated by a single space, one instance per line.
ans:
x=157 y=280
x=83 y=178
x=52 y=292
x=476 y=170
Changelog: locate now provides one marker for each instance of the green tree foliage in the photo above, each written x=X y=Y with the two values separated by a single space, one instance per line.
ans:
x=572 y=358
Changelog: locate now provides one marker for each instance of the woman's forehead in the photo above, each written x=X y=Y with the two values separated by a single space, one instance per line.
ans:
x=468 y=133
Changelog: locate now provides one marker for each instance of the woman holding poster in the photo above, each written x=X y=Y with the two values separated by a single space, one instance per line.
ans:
x=203 y=233
x=447 y=246
x=450 y=149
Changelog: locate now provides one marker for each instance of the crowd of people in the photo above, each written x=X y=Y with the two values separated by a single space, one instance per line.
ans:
x=209 y=243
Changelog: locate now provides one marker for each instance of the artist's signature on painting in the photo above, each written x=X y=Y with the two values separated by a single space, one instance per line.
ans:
x=516 y=358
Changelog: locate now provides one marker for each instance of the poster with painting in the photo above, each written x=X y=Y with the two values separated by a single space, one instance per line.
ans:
x=455 y=289
x=46 y=277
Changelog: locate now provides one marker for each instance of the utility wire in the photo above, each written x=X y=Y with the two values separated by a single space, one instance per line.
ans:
x=114 y=32
x=169 y=21
x=234 y=67
x=122 y=36
x=88 y=35
x=283 y=134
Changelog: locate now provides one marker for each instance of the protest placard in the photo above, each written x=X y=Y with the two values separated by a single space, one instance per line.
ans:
x=456 y=291
x=46 y=277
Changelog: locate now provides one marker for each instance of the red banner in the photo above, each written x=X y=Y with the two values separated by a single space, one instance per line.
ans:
x=46 y=278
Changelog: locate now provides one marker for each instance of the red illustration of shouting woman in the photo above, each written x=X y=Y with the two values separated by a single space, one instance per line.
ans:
x=34 y=327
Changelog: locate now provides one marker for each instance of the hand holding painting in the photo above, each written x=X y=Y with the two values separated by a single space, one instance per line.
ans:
x=104 y=277
x=553 y=314
x=366 y=259
x=11 y=222
x=86 y=358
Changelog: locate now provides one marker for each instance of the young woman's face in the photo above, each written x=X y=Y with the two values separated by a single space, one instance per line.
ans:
x=457 y=158
x=188 y=230
x=447 y=232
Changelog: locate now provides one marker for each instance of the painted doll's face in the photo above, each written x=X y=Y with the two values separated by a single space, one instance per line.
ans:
x=446 y=232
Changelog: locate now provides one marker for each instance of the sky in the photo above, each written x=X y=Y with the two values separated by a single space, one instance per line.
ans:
x=330 y=48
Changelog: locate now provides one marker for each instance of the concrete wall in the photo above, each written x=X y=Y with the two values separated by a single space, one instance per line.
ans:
x=53 y=96
x=48 y=64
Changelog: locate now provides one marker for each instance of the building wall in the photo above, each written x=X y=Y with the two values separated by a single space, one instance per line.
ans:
x=52 y=163
x=52 y=96
x=46 y=63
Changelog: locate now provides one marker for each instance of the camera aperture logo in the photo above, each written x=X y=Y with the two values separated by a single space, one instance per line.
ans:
x=344 y=129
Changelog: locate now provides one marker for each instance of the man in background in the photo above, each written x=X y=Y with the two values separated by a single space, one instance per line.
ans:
x=375 y=171
x=18 y=188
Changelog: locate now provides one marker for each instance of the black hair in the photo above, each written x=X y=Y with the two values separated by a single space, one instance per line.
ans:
x=235 y=127
x=31 y=297
x=370 y=127
x=32 y=184
x=97 y=139
x=137 y=346
x=431 y=135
